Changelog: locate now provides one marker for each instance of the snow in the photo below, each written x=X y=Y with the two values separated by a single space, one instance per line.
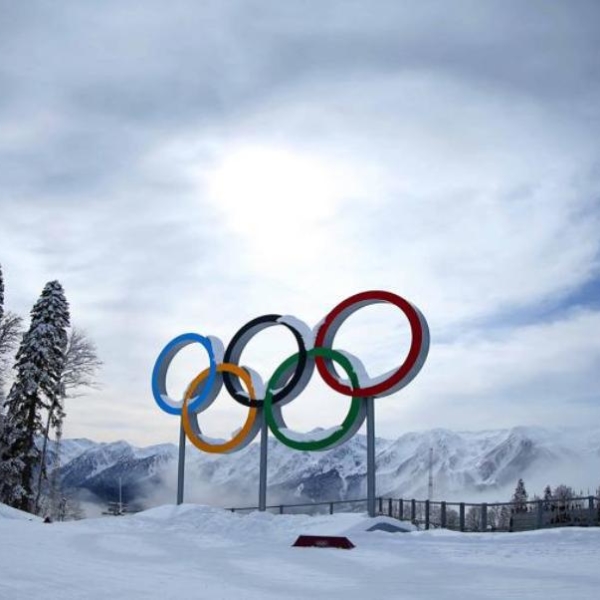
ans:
x=213 y=441
x=306 y=333
x=310 y=436
x=72 y=448
x=257 y=383
x=467 y=466
x=7 y=512
x=218 y=348
x=158 y=449
x=364 y=379
x=202 y=552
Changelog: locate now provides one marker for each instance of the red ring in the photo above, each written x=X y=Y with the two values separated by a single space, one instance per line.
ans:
x=342 y=311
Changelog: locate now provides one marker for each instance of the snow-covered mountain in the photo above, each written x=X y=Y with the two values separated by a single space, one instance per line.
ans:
x=466 y=465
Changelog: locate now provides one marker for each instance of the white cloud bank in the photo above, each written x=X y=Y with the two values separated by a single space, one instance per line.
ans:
x=192 y=170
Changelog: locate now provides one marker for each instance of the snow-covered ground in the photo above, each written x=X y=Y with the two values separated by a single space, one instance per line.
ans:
x=200 y=552
x=7 y=512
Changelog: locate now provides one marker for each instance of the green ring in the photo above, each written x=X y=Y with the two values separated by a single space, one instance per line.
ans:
x=347 y=428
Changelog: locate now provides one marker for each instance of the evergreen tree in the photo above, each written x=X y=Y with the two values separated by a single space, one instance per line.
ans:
x=39 y=364
x=520 y=497
x=547 y=497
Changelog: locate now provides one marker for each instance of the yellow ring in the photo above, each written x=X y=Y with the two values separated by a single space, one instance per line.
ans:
x=241 y=435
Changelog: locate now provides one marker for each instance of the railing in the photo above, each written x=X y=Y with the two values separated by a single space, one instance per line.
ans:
x=359 y=505
x=462 y=516
x=497 y=516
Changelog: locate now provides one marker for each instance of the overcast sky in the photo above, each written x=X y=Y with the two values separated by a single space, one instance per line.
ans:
x=188 y=166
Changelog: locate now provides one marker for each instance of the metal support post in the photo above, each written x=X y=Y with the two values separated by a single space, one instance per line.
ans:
x=484 y=517
x=181 y=464
x=461 y=516
x=401 y=508
x=120 y=495
x=443 y=517
x=413 y=510
x=540 y=515
x=262 y=476
x=370 y=456
x=591 y=518
x=427 y=515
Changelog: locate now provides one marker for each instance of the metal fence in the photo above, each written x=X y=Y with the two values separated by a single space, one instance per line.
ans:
x=311 y=508
x=462 y=516
x=497 y=516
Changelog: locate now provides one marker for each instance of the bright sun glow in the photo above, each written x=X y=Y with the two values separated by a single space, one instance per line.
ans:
x=257 y=186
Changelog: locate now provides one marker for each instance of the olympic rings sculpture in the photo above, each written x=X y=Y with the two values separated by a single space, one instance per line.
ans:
x=290 y=378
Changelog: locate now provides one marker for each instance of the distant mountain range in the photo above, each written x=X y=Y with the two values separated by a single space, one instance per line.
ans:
x=465 y=465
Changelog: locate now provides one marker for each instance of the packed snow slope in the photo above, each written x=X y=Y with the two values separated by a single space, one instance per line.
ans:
x=207 y=553
x=8 y=512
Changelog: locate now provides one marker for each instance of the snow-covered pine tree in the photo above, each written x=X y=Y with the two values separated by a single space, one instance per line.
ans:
x=520 y=497
x=547 y=497
x=39 y=364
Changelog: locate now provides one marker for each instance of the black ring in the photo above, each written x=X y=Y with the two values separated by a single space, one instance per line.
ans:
x=295 y=384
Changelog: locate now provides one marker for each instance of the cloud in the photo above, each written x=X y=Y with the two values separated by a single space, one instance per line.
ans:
x=194 y=168
x=538 y=374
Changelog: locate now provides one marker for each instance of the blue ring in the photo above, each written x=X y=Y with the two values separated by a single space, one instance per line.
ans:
x=161 y=366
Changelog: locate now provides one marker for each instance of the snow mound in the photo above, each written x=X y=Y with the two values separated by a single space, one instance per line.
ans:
x=210 y=520
x=8 y=512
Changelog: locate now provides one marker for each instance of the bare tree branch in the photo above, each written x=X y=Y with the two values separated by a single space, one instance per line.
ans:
x=81 y=363
x=79 y=371
x=11 y=331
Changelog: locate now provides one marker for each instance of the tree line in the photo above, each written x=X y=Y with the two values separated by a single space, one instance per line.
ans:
x=41 y=367
x=499 y=516
x=559 y=495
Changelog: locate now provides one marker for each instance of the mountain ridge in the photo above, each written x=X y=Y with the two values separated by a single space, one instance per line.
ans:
x=466 y=464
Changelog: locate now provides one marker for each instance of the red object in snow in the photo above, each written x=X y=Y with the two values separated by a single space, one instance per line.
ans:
x=323 y=541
